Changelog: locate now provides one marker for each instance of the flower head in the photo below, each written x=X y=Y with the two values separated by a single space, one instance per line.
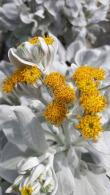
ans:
x=54 y=80
x=33 y=40
x=90 y=126
x=26 y=190
x=8 y=85
x=10 y=82
x=99 y=74
x=55 y=112
x=93 y=102
x=28 y=75
x=87 y=85
x=83 y=72
x=64 y=94
x=49 y=40
x=88 y=72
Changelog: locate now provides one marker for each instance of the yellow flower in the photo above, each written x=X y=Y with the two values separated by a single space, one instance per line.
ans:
x=64 y=94
x=99 y=74
x=54 y=80
x=26 y=74
x=55 y=113
x=83 y=72
x=88 y=72
x=49 y=40
x=90 y=127
x=26 y=190
x=87 y=85
x=10 y=82
x=30 y=74
x=93 y=102
x=8 y=85
x=33 y=40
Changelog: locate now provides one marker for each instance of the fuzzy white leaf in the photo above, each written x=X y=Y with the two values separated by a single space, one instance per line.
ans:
x=65 y=182
x=31 y=129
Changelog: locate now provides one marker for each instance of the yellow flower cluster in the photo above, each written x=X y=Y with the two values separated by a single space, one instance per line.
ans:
x=86 y=85
x=89 y=72
x=49 y=40
x=28 y=75
x=26 y=190
x=63 y=95
x=90 y=126
x=55 y=112
x=93 y=103
x=35 y=40
x=87 y=80
x=54 y=80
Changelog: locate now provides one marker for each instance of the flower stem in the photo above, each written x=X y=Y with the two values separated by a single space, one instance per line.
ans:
x=67 y=136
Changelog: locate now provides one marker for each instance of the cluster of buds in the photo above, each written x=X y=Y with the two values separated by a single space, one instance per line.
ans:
x=87 y=80
x=36 y=175
x=63 y=95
